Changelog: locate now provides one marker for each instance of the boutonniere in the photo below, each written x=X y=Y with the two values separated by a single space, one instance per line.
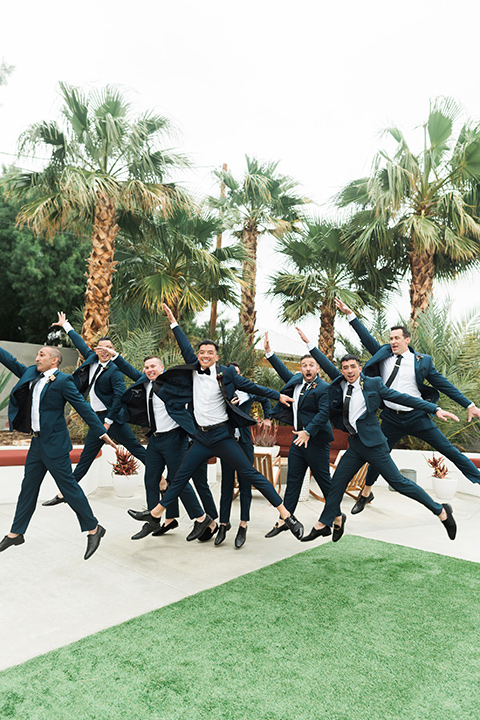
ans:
x=219 y=377
x=419 y=357
x=362 y=383
x=313 y=386
x=52 y=377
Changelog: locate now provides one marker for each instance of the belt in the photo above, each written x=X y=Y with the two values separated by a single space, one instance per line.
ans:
x=398 y=412
x=206 y=428
x=35 y=433
x=167 y=432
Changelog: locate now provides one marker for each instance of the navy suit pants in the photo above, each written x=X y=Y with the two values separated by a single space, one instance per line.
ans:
x=379 y=458
x=120 y=432
x=219 y=443
x=300 y=459
x=416 y=423
x=228 y=484
x=36 y=467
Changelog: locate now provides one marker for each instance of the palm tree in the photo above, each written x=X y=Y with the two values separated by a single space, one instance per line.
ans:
x=321 y=271
x=172 y=261
x=104 y=163
x=413 y=210
x=263 y=202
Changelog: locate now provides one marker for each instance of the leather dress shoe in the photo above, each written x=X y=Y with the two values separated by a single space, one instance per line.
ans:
x=145 y=516
x=54 y=501
x=241 y=537
x=338 y=530
x=199 y=528
x=222 y=533
x=146 y=530
x=93 y=541
x=165 y=528
x=361 y=502
x=9 y=541
x=315 y=533
x=449 y=522
x=295 y=526
x=276 y=530
x=208 y=533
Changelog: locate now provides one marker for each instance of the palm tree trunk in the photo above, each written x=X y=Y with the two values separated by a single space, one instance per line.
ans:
x=422 y=268
x=247 y=315
x=101 y=267
x=214 y=309
x=326 y=339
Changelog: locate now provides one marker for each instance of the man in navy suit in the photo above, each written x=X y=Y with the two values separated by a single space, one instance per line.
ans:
x=37 y=406
x=405 y=370
x=354 y=399
x=102 y=382
x=211 y=387
x=243 y=436
x=167 y=446
x=309 y=415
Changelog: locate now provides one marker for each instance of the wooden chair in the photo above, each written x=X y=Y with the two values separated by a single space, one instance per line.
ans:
x=268 y=466
x=354 y=487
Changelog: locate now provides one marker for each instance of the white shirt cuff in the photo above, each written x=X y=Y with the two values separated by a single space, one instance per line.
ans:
x=67 y=327
x=107 y=420
x=269 y=354
x=351 y=316
x=310 y=346
x=174 y=325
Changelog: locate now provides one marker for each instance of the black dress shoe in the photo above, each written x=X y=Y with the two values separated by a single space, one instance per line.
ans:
x=276 y=530
x=9 y=541
x=295 y=526
x=315 y=533
x=93 y=541
x=146 y=530
x=54 y=501
x=208 y=533
x=145 y=516
x=199 y=528
x=241 y=537
x=165 y=528
x=338 y=530
x=222 y=533
x=361 y=502
x=449 y=522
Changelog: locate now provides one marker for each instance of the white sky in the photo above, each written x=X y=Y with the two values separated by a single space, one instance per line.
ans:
x=309 y=83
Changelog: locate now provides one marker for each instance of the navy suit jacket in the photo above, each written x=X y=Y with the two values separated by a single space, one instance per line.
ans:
x=313 y=408
x=424 y=368
x=53 y=427
x=177 y=384
x=374 y=393
x=110 y=385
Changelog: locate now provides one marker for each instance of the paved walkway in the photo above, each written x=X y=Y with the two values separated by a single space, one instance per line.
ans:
x=50 y=596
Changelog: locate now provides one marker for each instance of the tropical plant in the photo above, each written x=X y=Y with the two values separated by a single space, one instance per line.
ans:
x=104 y=166
x=263 y=202
x=439 y=468
x=321 y=271
x=264 y=436
x=4 y=378
x=413 y=210
x=172 y=261
x=125 y=463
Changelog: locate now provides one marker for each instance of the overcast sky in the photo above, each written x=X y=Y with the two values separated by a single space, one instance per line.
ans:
x=308 y=83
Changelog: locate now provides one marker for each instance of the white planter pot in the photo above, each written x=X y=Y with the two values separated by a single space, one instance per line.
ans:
x=273 y=451
x=444 y=488
x=124 y=486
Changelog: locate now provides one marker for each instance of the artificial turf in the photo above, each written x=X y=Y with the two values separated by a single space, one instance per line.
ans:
x=359 y=630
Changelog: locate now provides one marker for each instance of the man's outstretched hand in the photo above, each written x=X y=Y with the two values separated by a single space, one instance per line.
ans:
x=171 y=317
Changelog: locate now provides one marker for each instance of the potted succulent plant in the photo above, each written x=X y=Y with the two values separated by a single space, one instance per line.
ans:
x=124 y=471
x=265 y=436
x=444 y=487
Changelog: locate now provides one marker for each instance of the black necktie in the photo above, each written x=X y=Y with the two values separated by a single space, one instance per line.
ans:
x=203 y=372
x=346 y=411
x=153 y=424
x=30 y=399
x=97 y=372
x=394 y=372
x=302 y=393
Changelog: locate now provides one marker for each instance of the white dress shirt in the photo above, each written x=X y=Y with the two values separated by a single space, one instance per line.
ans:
x=357 y=403
x=163 y=421
x=37 y=391
x=405 y=380
x=208 y=402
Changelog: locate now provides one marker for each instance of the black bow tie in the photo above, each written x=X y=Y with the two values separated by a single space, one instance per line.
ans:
x=204 y=372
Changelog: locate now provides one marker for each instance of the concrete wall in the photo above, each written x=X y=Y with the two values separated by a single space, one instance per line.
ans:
x=26 y=354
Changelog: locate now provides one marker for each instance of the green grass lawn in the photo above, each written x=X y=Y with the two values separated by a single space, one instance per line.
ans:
x=359 y=630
